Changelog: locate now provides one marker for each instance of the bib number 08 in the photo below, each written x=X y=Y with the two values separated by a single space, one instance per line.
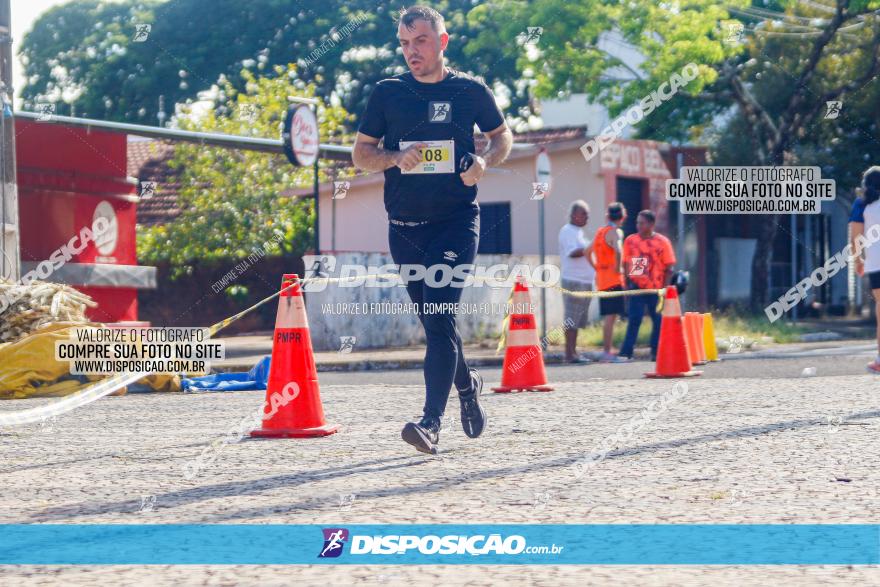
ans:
x=436 y=157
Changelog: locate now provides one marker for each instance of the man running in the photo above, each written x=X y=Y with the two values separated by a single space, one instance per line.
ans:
x=607 y=250
x=426 y=118
x=866 y=214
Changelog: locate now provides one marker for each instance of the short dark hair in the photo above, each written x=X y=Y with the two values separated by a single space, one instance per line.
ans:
x=615 y=210
x=871 y=184
x=648 y=215
x=408 y=16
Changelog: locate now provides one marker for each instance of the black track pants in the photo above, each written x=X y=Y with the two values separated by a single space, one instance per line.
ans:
x=451 y=243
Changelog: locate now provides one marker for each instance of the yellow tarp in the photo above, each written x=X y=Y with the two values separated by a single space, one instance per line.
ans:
x=28 y=367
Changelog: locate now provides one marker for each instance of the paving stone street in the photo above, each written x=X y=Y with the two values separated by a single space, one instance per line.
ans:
x=753 y=449
x=246 y=247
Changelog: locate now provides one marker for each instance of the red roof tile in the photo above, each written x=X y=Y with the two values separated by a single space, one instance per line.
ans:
x=148 y=161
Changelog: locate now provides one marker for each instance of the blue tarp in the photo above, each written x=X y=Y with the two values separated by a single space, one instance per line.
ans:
x=256 y=378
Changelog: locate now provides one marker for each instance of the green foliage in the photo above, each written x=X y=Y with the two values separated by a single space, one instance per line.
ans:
x=84 y=52
x=572 y=54
x=81 y=52
x=238 y=293
x=766 y=94
x=234 y=202
x=844 y=146
x=193 y=42
x=756 y=327
x=581 y=43
x=726 y=325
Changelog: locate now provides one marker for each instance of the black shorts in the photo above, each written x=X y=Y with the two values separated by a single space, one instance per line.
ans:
x=874 y=279
x=611 y=306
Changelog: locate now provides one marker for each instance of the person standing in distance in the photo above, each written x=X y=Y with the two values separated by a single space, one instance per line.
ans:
x=865 y=215
x=606 y=249
x=577 y=276
x=648 y=258
x=425 y=119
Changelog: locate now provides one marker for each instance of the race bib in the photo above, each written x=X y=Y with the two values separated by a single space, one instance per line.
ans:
x=437 y=157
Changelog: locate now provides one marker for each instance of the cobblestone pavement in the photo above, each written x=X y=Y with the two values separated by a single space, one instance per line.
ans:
x=728 y=451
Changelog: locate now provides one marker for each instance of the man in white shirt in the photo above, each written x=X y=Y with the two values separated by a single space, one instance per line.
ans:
x=578 y=274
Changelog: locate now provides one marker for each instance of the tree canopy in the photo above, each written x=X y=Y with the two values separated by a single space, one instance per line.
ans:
x=106 y=74
x=766 y=74
x=233 y=202
x=766 y=68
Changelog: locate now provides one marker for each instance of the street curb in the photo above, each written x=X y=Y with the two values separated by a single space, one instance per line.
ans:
x=365 y=365
x=392 y=364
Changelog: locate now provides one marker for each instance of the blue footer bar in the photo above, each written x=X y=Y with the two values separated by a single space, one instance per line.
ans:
x=618 y=544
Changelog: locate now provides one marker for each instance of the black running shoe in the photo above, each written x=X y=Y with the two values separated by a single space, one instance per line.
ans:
x=473 y=417
x=424 y=436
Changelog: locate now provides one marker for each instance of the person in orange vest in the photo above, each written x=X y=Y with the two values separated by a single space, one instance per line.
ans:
x=648 y=259
x=606 y=253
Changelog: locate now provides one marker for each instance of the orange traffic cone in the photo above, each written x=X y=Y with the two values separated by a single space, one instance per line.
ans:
x=523 y=359
x=689 y=338
x=709 y=338
x=701 y=346
x=672 y=352
x=293 y=400
x=694 y=337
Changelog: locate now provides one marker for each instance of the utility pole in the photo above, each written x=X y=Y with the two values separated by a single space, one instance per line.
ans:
x=161 y=114
x=10 y=261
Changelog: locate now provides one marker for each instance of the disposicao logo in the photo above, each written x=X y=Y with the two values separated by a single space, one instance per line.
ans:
x=334 y=540
x=473 y=545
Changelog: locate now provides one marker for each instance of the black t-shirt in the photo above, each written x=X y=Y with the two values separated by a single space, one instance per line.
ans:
x=404 y=109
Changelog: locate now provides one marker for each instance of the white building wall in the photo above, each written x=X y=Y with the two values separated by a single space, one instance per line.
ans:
x=359 y=222
x=336 y=311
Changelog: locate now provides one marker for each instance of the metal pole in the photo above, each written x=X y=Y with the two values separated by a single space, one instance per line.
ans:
x=313 y=103
x=161 y=116
x=794 y=271
x=679 y=163
x=10 y=261
x=680 y=245
x=317 y=210
x=808 y=248
x=543 y=289
x=336 y=152
x=325 y=151
x=333 y=221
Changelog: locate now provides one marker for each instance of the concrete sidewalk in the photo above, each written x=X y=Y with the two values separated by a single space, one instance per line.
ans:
x=243 y=352
x=741 y=449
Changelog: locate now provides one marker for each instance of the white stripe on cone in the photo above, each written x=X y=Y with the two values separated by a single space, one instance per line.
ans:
x=671 y=307
x=521 y=299
x=522 y=337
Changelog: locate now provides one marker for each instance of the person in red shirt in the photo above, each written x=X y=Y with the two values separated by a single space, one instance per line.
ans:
x=648 y=259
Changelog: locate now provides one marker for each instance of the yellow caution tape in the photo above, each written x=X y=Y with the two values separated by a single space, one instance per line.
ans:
x=112 y=384
x=503 y=340
x=660 y=293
